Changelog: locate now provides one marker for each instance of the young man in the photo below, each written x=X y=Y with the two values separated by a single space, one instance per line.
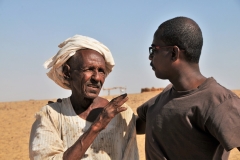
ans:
x=83 y=126
x=194 y=118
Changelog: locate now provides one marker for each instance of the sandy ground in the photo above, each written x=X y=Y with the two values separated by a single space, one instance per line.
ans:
x=16 y=119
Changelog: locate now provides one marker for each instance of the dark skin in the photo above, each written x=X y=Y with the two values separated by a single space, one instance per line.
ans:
x=85 y=72
x=170 y=63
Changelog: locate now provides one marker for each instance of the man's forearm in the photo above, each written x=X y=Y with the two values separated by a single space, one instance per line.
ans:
x=78 y=149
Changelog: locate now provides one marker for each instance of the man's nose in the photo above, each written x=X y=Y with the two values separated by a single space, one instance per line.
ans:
x=96 y=76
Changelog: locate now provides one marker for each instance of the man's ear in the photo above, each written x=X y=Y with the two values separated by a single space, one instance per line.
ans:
x=175 y=53
x=66 y=71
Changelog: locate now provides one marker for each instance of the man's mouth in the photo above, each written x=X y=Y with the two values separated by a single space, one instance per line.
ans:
x=153 y=68
x=94 y=86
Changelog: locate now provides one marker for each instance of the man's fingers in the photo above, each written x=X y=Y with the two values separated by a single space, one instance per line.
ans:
x=115 y=105
x=121 y=102
x=121 y=96
x=117 y=100
x=124 y=95
x=120 y=109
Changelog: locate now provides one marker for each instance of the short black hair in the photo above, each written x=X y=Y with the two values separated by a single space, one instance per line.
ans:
x=184 y=33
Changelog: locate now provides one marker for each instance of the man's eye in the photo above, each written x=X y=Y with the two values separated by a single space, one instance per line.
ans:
x=88 y=69
x=101 y=71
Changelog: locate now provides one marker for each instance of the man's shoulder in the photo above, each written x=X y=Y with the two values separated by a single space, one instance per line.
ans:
x=217 y=90
x=128 y=112
x=54 y=108
x=127 y=115
x=152 y=100
x=165 y=91
x=129 y=109
x=214 y=93
x=100 y=102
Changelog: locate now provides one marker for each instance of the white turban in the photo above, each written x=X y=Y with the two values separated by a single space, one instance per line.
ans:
x=67 y=49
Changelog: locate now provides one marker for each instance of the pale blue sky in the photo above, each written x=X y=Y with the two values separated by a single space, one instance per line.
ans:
x=31 y=31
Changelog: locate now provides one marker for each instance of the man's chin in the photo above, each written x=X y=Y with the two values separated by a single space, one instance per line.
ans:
x=160 y=76
x=91 y=95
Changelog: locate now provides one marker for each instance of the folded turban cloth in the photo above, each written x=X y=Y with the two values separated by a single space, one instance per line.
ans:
x=67 y=49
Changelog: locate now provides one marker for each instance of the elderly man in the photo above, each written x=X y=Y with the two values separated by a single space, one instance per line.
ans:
x=83 y=126
x=194 y=118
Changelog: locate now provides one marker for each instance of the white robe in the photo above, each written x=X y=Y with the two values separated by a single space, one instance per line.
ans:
x=57 y=127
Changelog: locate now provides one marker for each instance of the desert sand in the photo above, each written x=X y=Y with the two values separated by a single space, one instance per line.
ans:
x=16 y=119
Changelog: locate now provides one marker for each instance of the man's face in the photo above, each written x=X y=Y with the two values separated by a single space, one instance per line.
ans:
x=160 y=59
x=88 y=76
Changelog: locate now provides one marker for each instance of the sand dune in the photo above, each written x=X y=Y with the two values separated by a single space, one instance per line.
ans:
x=16 y=119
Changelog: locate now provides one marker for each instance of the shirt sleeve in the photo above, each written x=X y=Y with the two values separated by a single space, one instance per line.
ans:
x=224 y=123
x=142 y=110
x=45 y=142
x=131 y=149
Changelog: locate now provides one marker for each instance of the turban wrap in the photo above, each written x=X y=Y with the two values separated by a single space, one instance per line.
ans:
x=67 y=49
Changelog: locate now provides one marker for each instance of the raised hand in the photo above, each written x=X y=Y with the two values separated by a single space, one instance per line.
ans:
x=109 y=112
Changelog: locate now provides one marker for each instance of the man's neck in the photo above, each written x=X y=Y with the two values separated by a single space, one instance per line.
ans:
x=187 y=79
x=80 y=104
x=88 y=109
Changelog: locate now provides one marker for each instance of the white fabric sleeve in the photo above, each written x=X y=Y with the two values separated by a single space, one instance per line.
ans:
x=131 y=150
x=45 y=142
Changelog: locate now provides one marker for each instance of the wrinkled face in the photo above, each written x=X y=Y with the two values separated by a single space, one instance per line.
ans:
x=88 y=76
x=161 y=59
